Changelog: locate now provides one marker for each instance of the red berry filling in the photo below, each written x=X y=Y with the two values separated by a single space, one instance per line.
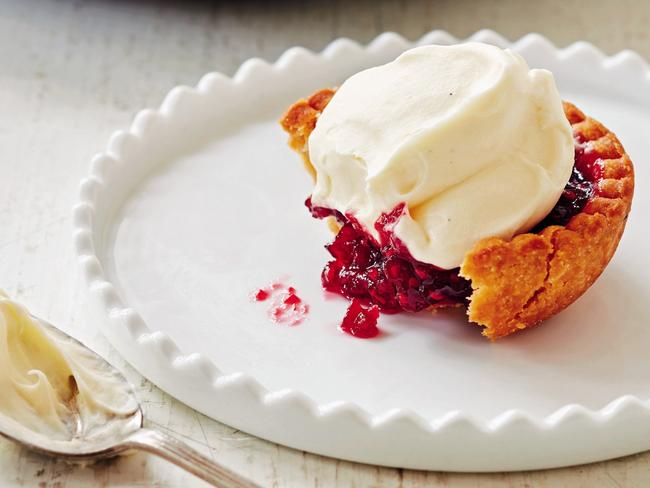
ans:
x=360 y=321
x=581 y=187
x=261 y=295
x=286 y=306
x=385 y=274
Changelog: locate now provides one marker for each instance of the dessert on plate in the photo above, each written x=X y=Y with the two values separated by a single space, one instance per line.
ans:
x=456 y=176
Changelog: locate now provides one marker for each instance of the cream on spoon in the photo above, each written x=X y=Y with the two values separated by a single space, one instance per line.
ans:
x=61 y=399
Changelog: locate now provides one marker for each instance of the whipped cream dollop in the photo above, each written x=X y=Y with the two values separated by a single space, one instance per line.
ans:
x=474 y=142
x=51 y=385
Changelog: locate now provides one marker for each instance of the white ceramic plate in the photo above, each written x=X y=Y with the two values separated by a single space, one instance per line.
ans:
x=201 y=201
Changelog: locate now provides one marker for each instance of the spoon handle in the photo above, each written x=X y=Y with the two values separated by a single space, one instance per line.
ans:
x=167 y=447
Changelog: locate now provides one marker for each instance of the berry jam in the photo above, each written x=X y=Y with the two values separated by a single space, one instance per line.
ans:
x=579 y=189
x=286 y=306
x=261 y=295
x=360 y=321
x=385 y=274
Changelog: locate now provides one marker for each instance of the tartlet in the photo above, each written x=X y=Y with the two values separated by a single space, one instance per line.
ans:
x=509 y=285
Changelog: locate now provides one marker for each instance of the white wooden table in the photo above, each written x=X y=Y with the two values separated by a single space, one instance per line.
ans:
x=73 y=71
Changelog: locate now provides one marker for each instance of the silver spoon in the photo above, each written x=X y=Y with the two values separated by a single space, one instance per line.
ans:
x=121 y=435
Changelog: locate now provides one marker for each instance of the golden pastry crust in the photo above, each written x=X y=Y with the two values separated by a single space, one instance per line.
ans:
x=299 y=121
x=523 y=281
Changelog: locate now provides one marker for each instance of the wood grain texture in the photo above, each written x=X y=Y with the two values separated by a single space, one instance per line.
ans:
x=73 y=71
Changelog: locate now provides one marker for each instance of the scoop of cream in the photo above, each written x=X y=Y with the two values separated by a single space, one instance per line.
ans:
x=48 y=382
x=474 y=142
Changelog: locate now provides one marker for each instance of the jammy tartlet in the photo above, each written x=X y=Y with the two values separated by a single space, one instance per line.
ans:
x=456 y=176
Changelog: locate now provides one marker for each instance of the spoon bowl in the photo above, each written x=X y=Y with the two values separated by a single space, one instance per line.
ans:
x=119 y=435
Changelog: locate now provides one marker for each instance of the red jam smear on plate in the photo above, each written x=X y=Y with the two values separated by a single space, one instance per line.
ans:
x=285 y=306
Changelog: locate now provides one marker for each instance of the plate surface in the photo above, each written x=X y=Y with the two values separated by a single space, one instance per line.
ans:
x=201 y=202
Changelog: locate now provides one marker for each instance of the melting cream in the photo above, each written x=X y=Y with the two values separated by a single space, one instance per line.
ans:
x=51 y=385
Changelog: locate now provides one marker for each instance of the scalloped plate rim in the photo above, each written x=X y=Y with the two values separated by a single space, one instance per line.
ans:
x=117 y=313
